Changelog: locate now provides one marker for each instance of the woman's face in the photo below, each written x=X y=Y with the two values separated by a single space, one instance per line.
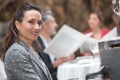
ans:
x=30 y=26
x=93 y=21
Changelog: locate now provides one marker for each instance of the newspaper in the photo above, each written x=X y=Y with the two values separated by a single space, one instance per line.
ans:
x=91 y=44
x=65 y=42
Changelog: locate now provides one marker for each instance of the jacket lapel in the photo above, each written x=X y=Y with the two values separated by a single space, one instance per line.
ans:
x=40 y=64
x=41 y=42
x=37 y=61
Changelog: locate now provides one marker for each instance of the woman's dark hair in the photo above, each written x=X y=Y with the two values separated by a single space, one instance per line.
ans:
x=12 y=33
x=98 y=13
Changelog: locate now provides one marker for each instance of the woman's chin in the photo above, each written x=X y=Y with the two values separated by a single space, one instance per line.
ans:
x=34 y=38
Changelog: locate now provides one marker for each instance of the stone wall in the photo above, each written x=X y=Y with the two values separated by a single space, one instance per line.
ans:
x=71 y=12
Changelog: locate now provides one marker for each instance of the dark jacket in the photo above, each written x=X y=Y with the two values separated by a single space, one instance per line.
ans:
x=47 y=59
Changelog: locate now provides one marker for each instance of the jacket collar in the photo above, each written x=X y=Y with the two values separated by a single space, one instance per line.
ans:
x=36 y=60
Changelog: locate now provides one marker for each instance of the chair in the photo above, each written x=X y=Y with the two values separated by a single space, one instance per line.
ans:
x=110 y=56
x=103 y=74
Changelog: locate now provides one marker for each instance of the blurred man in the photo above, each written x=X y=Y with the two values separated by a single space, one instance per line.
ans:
x=49 y=30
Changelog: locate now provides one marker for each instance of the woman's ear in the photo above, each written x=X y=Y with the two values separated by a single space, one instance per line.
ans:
x=18 y=25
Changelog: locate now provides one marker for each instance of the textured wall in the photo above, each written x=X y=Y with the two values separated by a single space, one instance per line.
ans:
x=71 y=12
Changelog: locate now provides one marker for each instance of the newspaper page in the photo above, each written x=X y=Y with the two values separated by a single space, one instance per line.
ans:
x=112 y=34
x=65 y=42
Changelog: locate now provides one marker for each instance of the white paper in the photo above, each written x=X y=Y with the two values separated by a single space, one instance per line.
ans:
x=110 y=35
x=88 y=45
x=3 y=75
x=66 y=42
x=91 y=45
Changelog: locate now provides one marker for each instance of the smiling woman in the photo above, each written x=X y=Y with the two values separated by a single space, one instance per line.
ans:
x=96 y=27
x=20 y=49
x=95 y=22
x=30 y=26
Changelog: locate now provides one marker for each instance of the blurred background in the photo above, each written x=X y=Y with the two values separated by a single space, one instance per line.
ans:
x=71 y=12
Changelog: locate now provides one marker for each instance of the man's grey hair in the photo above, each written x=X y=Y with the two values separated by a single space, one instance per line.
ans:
x=47 y=15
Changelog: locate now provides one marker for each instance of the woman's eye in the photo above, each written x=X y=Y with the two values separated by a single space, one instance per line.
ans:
x=32 y=22
x=40 y=23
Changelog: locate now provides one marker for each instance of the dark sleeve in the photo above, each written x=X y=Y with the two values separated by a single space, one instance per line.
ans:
x=46 y=59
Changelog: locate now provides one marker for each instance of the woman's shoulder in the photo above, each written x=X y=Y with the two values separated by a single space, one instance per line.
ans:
x=105 y=30
x=15 y=53
x=15 y=46
x=15 y=49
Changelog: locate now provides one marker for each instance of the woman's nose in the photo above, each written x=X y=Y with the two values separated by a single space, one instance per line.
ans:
x=37 y=26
